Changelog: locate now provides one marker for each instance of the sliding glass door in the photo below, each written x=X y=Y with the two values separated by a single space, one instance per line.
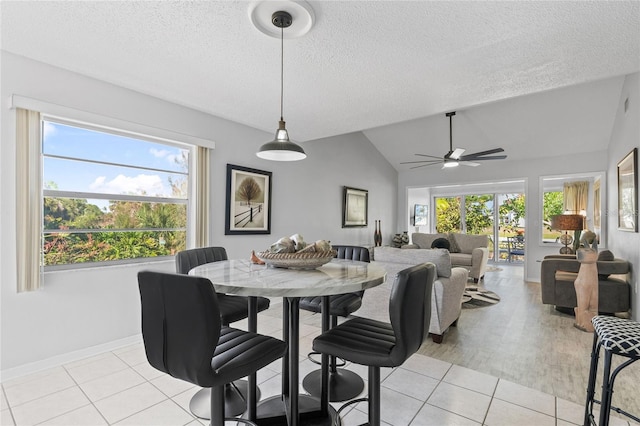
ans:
x=477 y=214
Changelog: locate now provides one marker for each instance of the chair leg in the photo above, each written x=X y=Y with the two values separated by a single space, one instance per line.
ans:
x=607 y=390
x=593 y=370
x=217 y=405
x=437 y=338
x=374 y=396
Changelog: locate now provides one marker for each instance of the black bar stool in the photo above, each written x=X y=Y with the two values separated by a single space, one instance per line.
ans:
x=343 y=384
x=618 y=337
x=232 y=309
x=378 y=344
x=184 y=337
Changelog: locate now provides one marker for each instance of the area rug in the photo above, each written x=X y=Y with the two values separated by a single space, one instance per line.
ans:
x=491 y=268
x=475 y=297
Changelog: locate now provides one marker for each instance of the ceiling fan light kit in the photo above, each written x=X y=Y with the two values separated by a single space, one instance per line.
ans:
x=281 y=148
x=455 y=157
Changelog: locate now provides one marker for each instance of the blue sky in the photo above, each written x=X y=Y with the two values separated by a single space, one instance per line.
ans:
x=69 y=141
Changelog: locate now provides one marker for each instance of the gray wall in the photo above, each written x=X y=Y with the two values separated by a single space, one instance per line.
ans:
x=625 y=137
x=81 y=312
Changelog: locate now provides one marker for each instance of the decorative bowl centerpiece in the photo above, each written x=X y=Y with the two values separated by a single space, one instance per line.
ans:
x=309 y=260
x=293 y=252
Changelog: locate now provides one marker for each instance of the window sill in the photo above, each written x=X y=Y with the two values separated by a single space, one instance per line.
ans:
x=130 y=263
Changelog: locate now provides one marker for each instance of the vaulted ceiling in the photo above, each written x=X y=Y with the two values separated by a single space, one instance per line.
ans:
x=541 y=71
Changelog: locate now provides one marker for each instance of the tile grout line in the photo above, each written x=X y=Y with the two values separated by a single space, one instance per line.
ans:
x=86 y=396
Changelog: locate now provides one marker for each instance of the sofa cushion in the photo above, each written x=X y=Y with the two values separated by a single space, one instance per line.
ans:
x=461 y=259
x=468 y=242
x=424 y=241
x=441 y=243
x=439 y=257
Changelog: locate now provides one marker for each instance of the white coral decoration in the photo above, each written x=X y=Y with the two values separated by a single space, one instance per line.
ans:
x=283 y=245
x=323 y=245
x=296 y=244
x=299 y=242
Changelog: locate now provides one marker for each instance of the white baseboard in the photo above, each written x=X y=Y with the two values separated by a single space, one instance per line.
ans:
x=34 y=367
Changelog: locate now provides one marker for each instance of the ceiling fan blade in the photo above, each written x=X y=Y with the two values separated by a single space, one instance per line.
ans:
x=424 y=165
x=469 y=163
x=456 y=154
x=481 y=153
x=493 y=157
x=425 y=155
x=421 y=161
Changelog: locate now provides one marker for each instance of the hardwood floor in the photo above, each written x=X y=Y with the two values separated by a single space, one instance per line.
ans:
x=529 y=343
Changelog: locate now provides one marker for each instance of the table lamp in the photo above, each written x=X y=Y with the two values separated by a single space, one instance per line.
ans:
x=567 y=222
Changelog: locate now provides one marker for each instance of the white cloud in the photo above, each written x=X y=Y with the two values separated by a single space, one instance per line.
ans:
x=160 y=153
x=48 y=129
x=138 y=185
x=169 y=156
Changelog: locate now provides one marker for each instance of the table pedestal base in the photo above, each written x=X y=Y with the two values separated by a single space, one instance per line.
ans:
x=271 y=411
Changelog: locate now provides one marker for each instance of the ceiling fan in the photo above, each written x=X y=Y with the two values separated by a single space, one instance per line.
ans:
x=453 y=158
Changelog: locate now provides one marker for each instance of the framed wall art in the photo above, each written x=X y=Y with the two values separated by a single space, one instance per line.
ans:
x=354 y=207
x=248 y=208
x=628 y=192
x=420 y=214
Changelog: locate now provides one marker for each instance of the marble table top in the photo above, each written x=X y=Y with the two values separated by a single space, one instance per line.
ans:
x=243 y=278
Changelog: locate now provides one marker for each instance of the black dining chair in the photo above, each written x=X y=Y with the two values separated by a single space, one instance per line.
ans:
x=232 y=308
x=343 y=384
x=184 y=337
x=379 y=344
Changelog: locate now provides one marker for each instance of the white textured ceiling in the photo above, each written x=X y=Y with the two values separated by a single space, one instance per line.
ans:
x=364 y=64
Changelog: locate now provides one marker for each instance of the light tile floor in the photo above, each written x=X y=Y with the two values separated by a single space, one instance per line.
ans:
x=120 y=388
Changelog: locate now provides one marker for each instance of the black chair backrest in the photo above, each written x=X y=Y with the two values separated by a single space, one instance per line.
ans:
x=410 y=309
x=352 y=252
x=180 y=324
x=189 y=259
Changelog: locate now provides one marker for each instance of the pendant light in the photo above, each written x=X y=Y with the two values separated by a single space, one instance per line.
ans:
x=281 y=148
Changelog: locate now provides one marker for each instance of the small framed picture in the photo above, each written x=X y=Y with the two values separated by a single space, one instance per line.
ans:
x=354 y=207
x=628 y=192
x=248 y=209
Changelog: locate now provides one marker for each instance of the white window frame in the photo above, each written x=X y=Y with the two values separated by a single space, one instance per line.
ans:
x=189 y=201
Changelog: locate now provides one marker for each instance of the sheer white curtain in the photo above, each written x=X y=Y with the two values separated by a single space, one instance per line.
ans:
x=576 y=196
x=28 y=201
x=202 y=194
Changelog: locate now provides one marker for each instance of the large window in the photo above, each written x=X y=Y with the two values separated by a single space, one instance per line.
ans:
x=110 y=196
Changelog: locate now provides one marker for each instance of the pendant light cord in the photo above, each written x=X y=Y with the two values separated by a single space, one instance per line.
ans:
x=281 y=71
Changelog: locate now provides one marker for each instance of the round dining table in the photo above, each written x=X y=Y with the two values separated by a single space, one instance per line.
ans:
x=244 y=278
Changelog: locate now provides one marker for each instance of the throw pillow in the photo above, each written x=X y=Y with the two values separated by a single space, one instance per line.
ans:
x=442 y=243
x=424 y=240
x=605 y=256
x=453 y=245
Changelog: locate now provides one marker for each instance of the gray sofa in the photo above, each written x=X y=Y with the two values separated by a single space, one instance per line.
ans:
x=446 y=297
x=558 y=273
x=467 y=251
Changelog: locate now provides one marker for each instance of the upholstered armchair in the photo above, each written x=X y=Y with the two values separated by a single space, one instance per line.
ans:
x=559 y=272
x=448 y=287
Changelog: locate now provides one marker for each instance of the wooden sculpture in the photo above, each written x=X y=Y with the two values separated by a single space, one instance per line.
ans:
x=586 y=285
